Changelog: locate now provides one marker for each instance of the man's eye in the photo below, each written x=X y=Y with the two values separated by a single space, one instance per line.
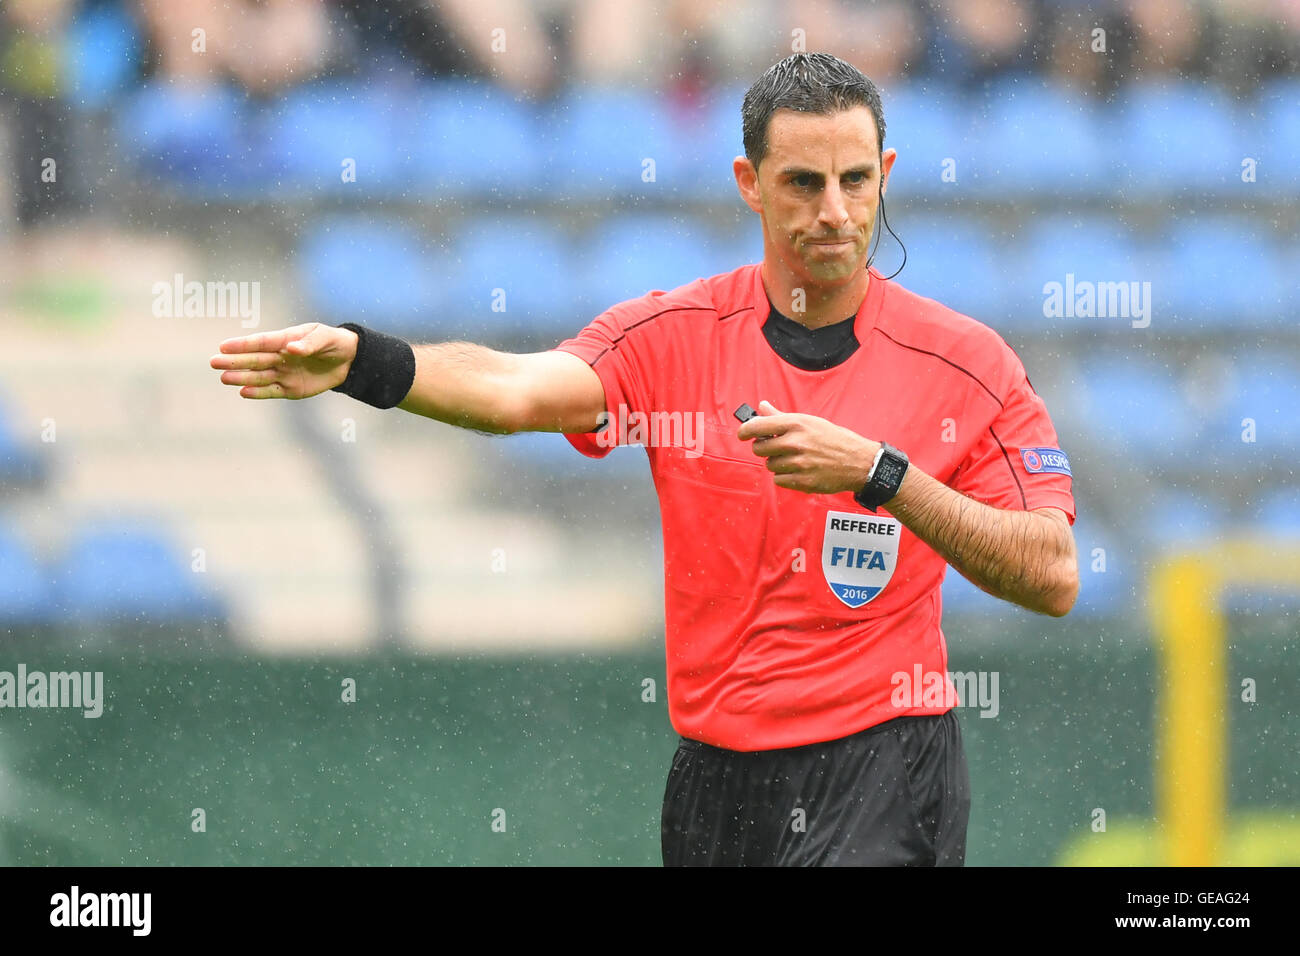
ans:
x=857 y=179
x=803 y=182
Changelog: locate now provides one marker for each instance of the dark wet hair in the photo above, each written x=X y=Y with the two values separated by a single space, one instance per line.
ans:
x=810 y=83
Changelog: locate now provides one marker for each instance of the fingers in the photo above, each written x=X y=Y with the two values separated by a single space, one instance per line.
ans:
x=267 y=341
x=769 y=423
x=769 y=447
x=259 y=377
x=274 y=390
x=246 y=360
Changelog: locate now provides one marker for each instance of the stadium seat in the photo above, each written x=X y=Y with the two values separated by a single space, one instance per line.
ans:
x=1178 y=139
x=194 y=137
x=1027 y=136
x=924 y=123
x=1222 y=272
x=529 y=261
x=311 y=131
x=1091 y=249
x=1278 y=173
x=1265 y=389
x=471 y=138
x=954 y=261
x=24 y=584
x=596 y=141
x=376 y=272
x=708 y=142
x=118 y=570
x=627 y=256
x=1138 y=406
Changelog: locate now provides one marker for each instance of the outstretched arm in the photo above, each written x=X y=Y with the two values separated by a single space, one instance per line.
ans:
x=459 y=383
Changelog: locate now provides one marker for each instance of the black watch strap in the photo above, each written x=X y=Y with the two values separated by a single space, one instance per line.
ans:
x=886 y=478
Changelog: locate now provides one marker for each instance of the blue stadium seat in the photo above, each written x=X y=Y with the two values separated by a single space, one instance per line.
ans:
x=1027 y=136
x=192 y=137
x=1264 y=388
x=1138 y=406
x=627 y=256
x=103 y=49
x=529 y=261
x=1092 y=249
x=1278 y=173
x=312 y=130
x=1222 y=272
x=376 y=272
x=1178 y=139
x=25 y=589
x=708 y=144
x=117 y=570
x=470 y=137
x=954 y=261
x=924 y=123
x=597 y=139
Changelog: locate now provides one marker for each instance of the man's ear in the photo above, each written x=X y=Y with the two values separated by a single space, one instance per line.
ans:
x=886 y=165
x=747 y=182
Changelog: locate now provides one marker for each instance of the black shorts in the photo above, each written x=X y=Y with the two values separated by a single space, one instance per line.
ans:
x=896 y=794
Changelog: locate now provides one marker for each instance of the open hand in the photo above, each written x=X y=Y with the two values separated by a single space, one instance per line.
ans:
x=296 y=362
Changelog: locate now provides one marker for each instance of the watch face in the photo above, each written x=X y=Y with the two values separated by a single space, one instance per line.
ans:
x=890 y=470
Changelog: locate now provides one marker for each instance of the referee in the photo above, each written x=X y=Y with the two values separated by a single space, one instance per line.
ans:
x=885 y=437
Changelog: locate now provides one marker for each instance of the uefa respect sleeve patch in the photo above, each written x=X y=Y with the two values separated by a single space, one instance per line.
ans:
x=1045 y=460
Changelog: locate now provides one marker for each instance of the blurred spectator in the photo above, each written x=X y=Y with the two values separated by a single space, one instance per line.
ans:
x=979 y=39
x=1169 y=39
x=455 y=38
x=264 y=45
x=883 y=40
x=32 y=50
x=1252 y=40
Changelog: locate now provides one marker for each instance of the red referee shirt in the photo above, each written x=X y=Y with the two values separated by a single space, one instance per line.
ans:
x=789 y=615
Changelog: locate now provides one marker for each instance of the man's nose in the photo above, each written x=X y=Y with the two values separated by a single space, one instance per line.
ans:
x=834 y=211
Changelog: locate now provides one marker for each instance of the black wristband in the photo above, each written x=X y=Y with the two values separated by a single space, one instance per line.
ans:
x=383 y=370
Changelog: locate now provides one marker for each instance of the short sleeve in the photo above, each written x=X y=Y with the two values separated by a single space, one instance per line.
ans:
x=617 y=344
x=1017 y=463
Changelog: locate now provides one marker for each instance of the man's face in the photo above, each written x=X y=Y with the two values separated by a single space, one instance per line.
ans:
x=817 y=191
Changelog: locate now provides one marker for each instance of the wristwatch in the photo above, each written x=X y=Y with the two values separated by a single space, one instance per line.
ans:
x=885 y=479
